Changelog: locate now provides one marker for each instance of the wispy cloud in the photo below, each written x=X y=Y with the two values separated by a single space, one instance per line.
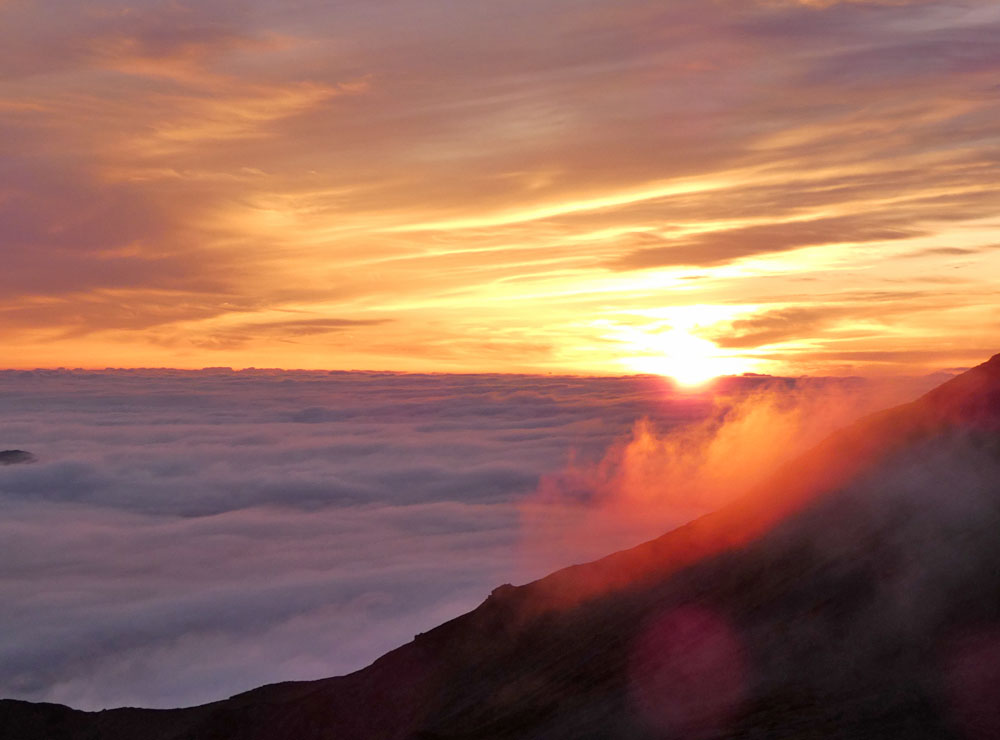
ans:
x=464 y=170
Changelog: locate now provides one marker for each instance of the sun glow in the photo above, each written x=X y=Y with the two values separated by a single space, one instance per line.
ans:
x=688 y=359
x=676 y=351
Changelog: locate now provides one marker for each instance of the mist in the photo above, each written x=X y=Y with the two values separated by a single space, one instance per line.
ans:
x=657 y=477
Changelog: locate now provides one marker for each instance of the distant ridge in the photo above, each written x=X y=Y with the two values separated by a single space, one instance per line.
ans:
x=854 y=594
x=14 y=457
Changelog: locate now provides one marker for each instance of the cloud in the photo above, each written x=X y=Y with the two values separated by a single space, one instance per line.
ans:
x=655 y=478
x=776 y=326
x=302 y=327
x=822 y=4
x=947 y=252
x=54 y=36
x=727 y=245
x=187 y=535
x=780 y=325
x=488 y=181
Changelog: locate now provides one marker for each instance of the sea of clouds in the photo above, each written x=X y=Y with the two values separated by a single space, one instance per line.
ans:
x=185 y=536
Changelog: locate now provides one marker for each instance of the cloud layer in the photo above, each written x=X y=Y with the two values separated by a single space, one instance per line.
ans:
x=187 y=535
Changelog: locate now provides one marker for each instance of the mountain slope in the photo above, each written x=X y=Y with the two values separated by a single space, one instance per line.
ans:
x=856 y=594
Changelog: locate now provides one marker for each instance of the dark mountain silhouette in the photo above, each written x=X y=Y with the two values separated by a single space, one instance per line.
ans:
x=13 y=457
x=855 y=594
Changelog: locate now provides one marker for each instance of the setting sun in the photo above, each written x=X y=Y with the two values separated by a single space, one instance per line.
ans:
x=669 y=343
x=686 y=358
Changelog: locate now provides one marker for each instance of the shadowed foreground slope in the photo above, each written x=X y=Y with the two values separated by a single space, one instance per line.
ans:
x=856 y=594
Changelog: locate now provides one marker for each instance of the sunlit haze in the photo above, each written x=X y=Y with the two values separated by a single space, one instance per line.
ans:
x=690 y=188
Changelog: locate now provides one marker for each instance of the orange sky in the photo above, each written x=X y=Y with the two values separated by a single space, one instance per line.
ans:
x=558 y=185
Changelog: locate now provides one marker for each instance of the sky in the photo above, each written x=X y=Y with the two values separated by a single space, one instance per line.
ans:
x=187 y=535
x=567 y=186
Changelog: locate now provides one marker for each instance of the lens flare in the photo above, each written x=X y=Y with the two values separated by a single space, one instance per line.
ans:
x=688 y=674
